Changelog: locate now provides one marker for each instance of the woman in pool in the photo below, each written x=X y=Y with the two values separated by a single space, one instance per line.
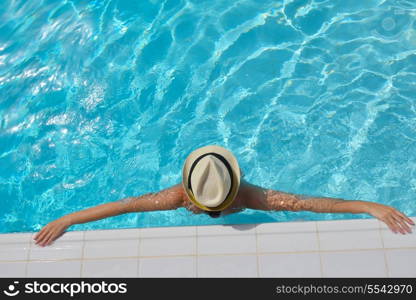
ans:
x=212 y=184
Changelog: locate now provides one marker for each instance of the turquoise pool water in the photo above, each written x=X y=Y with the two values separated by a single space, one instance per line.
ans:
x=101 y=100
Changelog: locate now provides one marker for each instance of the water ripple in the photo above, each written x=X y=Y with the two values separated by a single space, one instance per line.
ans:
x=104 y=99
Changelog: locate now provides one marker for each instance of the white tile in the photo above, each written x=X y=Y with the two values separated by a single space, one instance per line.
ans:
x=6 y=238
x=110 y=268
x=13 y=269
x=290 y=265
x=68 y=246
x=287 y=227
x=354 y=264
x=349 y=234
x=14 y=246
x=243 y=229
x=113 y=234
x=165 y=241
x=226 y=239
x=183 y=231
x=401 y=263
x=287 y=237
x=164 y=246
x=168 y=267
x=230 y=244
x=54 y=268
x=111 y=248
x=227 y=266
x=398 y=240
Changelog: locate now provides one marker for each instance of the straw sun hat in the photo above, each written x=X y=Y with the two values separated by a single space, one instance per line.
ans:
x=211 y=177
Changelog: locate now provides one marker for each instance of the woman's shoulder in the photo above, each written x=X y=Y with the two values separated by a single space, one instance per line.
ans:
x=251 y=195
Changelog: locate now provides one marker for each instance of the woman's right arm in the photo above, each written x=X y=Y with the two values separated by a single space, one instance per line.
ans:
x=170 y=198
x=54 y=229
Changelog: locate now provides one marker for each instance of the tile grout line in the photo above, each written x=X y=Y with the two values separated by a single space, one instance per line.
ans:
x=196 y=251
x=384 y=250
x=214 y=254
x=319 y=250
x=257 y=252
x=28 y=254
x=81 y=271
x=139 y=251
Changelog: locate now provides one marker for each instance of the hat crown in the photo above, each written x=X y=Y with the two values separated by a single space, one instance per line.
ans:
x=211 y=181
x=218 y=181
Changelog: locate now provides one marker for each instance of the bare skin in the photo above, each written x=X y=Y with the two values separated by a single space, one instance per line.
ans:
x=248 y=196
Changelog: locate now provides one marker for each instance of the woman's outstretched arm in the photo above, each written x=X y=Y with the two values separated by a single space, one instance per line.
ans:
x=268 y=199
x=170 y=198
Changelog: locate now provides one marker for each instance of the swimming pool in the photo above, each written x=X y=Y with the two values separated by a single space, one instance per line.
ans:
x=102 y=100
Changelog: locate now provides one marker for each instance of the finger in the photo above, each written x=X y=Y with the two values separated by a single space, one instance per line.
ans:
x=43 y=243
x=42 y=235
x=42 y=238
x=402 y=223
x=391 y=225
x=388 y=223
x=36 y=235
x=60 y=234
x=402 y=230
x=405 y=220
x=408 y=220
x=398 y=226
x=51 y=239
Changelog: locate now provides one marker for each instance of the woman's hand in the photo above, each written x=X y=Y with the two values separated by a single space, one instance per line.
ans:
x=394 y=219
x=52 y=231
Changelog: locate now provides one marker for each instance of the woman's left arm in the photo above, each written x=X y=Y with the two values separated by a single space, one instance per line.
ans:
x=394 y=219
x=267 y=199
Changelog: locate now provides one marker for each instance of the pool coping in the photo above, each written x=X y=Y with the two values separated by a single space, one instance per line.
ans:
x=333 y=248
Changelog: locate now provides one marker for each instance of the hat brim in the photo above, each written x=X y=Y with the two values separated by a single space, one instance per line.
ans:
x=235 y=173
